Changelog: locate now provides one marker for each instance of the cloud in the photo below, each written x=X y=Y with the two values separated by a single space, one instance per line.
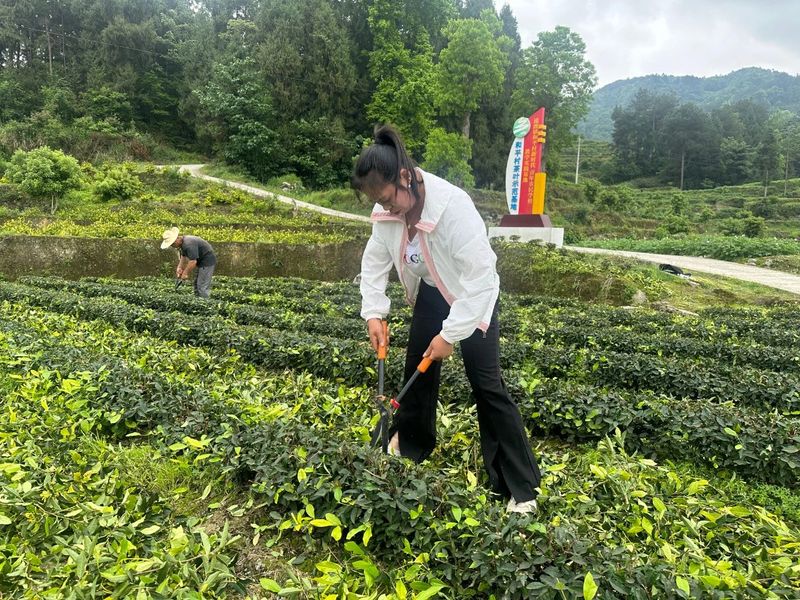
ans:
x=630 y=38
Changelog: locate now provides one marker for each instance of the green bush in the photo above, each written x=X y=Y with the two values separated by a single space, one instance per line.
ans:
x=753 y=226
x=677 y=224
x=320 y=152
x=44 y=173
x=614 y=198
x=224 y=195
x=705 y=215
x=765 y=207
x=591 y=190
x=106 y=103
x=117 y=182
x=678 y=204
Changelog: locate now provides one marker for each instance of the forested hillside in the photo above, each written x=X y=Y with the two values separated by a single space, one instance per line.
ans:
x=690 y=132
x=772 y=89
x=282 y=86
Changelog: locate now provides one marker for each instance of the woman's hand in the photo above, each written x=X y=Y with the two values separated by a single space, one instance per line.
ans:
x=439 y=349
x=376 y=334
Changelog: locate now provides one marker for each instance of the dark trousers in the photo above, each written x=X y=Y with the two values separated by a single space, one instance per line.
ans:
x=507 y=455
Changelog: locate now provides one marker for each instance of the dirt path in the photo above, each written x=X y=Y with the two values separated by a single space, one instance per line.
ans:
x=768 y=277
x=194 y=171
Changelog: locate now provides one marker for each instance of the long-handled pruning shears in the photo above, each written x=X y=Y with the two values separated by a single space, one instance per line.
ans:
x=380 y=435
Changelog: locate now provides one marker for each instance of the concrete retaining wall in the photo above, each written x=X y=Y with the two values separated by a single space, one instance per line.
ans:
x=73 y=258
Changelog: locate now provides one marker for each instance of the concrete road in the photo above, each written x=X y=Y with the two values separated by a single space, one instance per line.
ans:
x=768 y=277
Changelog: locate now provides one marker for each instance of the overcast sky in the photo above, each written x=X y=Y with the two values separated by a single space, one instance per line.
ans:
x=629 y=38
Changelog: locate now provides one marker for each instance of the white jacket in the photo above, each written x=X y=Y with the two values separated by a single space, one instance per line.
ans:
x=456 y=250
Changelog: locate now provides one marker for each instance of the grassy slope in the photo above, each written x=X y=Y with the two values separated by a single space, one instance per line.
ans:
x=165 y=198
x=615 y=280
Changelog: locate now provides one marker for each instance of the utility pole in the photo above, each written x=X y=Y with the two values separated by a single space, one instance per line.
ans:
x=786 y=168
x=578 y=160
x=49 y=40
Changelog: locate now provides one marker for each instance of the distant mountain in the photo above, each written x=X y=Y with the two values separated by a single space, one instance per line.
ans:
x=775 y=89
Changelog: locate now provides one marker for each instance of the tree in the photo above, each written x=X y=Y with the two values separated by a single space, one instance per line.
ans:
x=448 y=155
x=786 y=126
x=304 y=55
x=639 y=133
x=766 y=158
x=510 y=26
x=133 y=58
x=105 y=103
x=692 y=144
x=753 y=118
x=240 y=119
x=320 y=152
x=471 y=69
x=490 y=127
x=404 y=93
x=44 y=173
x=472 y=9
x=736 y=160
x=554 y=74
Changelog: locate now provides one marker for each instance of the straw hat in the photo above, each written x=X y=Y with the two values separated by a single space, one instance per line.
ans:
x=168 y=237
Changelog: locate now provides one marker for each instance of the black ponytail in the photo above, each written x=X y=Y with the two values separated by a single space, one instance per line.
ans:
x=382 y=161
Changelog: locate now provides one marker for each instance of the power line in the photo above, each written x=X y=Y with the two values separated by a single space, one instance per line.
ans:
x=82 y=39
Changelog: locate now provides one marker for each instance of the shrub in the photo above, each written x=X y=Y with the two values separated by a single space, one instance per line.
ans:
x=609 y=199
x=679 y=204
x=788 y=209
x=105 y=103
x=109 y=125
x=579 y=215
x=224 y=195
x=319 y=151
x=677 y=224
x=591 y=190
x=705 y=215
x=764 y=208
x=721 y=247
x=44 y=173
x=118 y=182
x=753 y=226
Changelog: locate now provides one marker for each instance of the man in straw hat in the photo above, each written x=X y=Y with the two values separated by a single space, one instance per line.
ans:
x=196 y=253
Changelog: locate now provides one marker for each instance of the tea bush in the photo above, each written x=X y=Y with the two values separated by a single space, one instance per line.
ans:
x=286 y=413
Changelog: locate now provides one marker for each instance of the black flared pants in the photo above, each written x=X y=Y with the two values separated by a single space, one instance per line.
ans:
x=506 y=450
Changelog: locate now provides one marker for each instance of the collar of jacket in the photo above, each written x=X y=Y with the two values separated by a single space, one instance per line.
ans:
x=435 y=204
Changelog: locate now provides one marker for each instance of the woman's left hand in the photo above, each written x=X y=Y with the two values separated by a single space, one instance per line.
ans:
x=439 y=349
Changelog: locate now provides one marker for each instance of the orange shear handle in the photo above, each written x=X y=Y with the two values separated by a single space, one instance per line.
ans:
x=382 y=349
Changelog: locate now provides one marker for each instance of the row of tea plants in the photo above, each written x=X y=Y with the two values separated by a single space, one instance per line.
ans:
x=665 y=490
